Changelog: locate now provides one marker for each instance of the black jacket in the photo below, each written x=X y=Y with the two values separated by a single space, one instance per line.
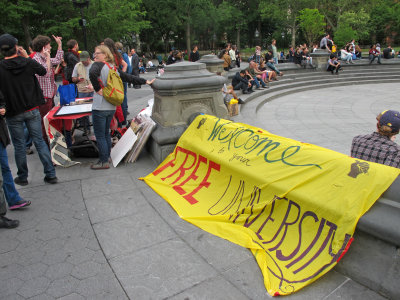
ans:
x=95 y=71
x=237 y=79
x=19 y=84
x=4 y=137
x=71 y=59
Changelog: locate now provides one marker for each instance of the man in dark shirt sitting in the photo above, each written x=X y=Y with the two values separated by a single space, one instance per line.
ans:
x=379 y=146
x=240 y=82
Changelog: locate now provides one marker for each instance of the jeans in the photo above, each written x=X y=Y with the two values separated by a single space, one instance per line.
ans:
x=273 y=68
x=372 y=58
x=101 y=127
x=11 y=194
x=275 y=60
x=3 y=208
x=257 y=82
x=28 y=140
x=32 y=120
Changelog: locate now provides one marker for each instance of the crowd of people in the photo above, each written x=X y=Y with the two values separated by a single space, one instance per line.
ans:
x=27 y=91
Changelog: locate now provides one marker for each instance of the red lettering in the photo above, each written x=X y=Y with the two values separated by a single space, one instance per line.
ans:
x=182 y=169
x=168 y=164
x=193 y=176
x=204 y=183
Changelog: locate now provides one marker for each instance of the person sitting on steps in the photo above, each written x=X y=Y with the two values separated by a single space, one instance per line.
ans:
x=241 y=82
x=333 y=64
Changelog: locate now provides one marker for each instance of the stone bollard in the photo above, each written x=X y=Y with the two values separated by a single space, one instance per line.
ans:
x=185 y=90
x=320 y=59
x=213 y=63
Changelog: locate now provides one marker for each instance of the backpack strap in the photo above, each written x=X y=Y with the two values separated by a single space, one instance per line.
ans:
x=110 y=67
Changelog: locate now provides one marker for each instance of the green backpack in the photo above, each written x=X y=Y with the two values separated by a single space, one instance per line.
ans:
x=114 y=91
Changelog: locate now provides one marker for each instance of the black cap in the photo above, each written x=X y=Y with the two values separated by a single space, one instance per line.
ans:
x=7 y=41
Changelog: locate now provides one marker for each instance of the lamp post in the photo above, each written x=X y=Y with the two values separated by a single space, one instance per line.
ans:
x=82 y=22
x=256 y=34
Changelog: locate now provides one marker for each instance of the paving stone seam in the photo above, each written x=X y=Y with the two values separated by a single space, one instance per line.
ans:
x=218 y=272
x=127 y=253
x=337 y=288
x=98 y=242
x=199 y=283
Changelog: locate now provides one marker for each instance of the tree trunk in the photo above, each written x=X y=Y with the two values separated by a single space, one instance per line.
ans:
x=25 y=26
x=238 y=38
x=188 y=46
x=293 y=31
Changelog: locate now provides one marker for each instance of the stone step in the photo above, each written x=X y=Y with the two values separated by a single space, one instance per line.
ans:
x=290 y=87
x=345 y=72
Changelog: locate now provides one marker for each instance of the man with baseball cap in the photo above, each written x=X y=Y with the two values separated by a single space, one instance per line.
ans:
x=23 y=96
x=80 y=75
x=379 y=146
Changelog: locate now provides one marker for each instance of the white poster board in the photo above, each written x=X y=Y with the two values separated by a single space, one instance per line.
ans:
x=123 y=146
x=74 y=109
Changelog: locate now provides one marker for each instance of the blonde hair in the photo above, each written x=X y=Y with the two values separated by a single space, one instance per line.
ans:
x=119 y=46
x=109 y=56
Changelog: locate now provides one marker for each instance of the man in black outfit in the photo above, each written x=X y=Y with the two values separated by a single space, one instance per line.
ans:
x=240 y=82
x=135 y=66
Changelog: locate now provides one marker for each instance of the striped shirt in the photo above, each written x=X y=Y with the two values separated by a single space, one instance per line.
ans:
x=376 y=148
x=47 y=82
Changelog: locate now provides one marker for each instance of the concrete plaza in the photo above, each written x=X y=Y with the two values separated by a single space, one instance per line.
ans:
x=107 y=235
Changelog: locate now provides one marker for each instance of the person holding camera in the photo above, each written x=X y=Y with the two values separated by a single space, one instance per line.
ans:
x=23 y=96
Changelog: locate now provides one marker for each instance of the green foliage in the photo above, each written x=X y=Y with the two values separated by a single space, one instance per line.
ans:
x=344 y=34
x=357 y=21
x=312 y=23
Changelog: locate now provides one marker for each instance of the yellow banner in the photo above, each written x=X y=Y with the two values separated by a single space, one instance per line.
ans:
x=294 y=205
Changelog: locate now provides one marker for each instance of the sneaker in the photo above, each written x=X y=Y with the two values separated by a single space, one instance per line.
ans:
x=20 y=204
x=7 y=223
x=20 y=181
x=29 y=151
x=51 y=180
x=100 y=166
x=240 y=101
x=250 y=91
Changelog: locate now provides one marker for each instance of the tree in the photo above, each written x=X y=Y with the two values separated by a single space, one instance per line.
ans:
x=285 y=12
x=312 y=23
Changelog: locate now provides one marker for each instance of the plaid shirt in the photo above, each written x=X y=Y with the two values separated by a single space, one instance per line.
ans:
x=376 y=148
x=47 y=82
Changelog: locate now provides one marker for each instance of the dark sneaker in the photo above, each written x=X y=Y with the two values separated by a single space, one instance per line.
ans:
x=20 y=204
x=29 y=151
x=7 y=223
x=240 y=101
x=100 y=166
x=51 y=180
x=20 y=181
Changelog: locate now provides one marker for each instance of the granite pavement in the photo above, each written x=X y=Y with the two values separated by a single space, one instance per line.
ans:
x=107 y=235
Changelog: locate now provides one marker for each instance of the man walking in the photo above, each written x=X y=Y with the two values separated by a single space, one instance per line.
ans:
x=23 y=96
x=41 y=44
x=135 y=65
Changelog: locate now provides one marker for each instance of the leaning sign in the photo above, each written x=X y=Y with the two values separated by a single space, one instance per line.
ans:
x=294 y=205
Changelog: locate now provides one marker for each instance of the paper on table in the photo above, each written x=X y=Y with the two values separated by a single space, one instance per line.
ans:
x=123 y=146
x=74 y=109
